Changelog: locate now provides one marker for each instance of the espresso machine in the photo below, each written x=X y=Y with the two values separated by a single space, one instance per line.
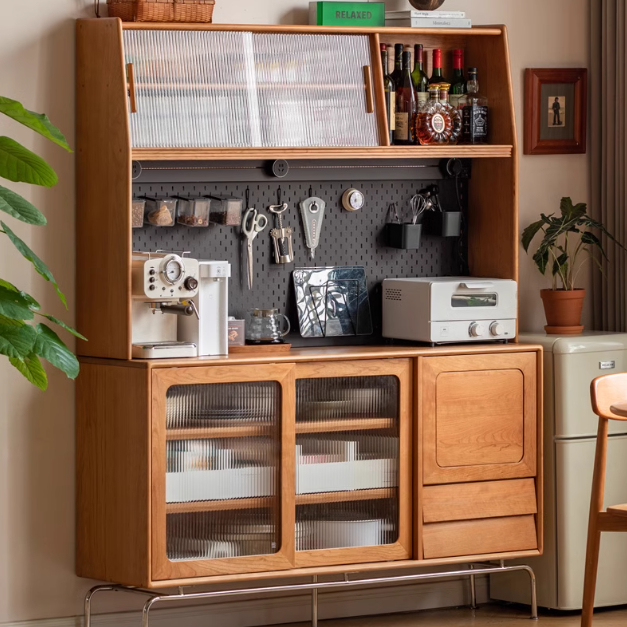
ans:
x=163 y=288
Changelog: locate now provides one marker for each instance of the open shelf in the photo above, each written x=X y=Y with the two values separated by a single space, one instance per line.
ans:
x=224 y=505
x=345 y=424
x=205 y=433
x=366 y=152
x=349 y=495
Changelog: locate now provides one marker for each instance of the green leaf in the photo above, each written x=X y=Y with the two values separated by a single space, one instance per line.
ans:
x=16 y=338
x=38 y=122
x=49 y=346
x=14 y=305
x=566 y=207
x=542 y=259
x=64 y=326
x=32 y=303
x=20 y=208
x=592 y=240
x=40 y=266
x=23 y=166
x=530 y=232
x=31 y=368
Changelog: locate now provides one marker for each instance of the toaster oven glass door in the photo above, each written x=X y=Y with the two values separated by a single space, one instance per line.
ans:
x=473 y=300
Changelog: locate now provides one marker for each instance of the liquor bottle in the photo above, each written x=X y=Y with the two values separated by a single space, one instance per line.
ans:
x=458 y=85
x=418 y=76
x=406 y=105
x=397 y=74
x=390 y=93
x=475 y=111
x=437 y=76
x=438 y=122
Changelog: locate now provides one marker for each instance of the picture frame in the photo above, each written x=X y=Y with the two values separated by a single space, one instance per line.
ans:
x=556 y=111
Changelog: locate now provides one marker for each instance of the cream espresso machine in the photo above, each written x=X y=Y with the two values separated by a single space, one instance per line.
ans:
x=179 y=306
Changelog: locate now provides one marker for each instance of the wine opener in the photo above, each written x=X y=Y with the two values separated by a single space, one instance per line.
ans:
x=281 y=236
x=312 y=212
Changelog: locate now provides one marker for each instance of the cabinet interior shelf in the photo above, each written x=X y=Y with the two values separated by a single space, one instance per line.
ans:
x=493 y=151
x=207 y=433
x=345 y=424
x=269 y=501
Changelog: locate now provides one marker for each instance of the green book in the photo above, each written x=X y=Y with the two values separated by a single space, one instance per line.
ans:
x=347 y=13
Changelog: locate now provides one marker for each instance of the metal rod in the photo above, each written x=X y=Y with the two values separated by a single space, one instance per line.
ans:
x=314 y=603
x=315 y=586
x=473 y=590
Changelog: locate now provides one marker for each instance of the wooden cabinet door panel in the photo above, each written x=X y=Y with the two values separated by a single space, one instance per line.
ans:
x=222 y=471
x=479 y=417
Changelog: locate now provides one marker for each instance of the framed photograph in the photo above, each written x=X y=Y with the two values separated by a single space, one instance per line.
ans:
x=556 y=111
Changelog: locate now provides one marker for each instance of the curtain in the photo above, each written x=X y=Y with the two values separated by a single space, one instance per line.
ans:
x=608 y=161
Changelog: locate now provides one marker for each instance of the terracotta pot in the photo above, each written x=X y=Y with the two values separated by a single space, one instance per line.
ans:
x=563 y=311
x=426 y=5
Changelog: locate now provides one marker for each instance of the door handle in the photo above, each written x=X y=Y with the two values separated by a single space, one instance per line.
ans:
x=369 y=94
x=131 y=86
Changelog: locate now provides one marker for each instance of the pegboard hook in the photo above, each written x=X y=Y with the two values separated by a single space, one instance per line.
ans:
x=310 y=191
x=247 y=196
x=278 y=196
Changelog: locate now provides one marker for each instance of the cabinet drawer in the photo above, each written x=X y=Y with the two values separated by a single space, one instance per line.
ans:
x=478 y=537
x=470 y=501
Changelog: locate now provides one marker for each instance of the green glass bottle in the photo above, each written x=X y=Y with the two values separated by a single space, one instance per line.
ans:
x=437 y=76
x=406 y=105
x=397 y=74
x=458 y=84
x=418 y=76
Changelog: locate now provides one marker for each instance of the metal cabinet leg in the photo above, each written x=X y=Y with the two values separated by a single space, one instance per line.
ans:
x=88 y=597
x=314 y=604
x=473 y=590
x=534 y=594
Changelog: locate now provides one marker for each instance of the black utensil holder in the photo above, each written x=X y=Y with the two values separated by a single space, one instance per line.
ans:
x=404 y=236
x=443 y=223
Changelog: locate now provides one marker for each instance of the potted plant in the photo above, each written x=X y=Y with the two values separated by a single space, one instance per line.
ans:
x=568 y=244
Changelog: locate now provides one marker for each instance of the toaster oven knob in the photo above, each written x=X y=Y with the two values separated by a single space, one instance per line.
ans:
x=476 y=330
x=496 y=329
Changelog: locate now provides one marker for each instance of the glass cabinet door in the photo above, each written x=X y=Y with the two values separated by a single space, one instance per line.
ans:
x=235 y=89
x=353 y=467
x=221 y=470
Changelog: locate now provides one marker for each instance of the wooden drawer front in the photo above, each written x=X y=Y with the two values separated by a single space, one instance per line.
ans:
x=470 y=501
x=479 y=537
x=479 y=417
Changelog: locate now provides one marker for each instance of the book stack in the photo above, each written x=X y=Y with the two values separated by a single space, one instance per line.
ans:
x=428 y=19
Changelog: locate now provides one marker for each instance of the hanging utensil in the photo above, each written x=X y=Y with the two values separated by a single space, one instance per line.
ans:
x=312 y=212
x=281 y=236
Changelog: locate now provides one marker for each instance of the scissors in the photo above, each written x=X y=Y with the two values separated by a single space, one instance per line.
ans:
x=252 y=224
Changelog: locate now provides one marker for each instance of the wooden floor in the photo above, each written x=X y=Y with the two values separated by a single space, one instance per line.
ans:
x=488 y=615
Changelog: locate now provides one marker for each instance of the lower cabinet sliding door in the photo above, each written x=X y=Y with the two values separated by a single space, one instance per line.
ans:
x=353 y=462
x=222 y=470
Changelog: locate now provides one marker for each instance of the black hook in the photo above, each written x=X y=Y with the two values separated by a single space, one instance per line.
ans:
x=310 y=191
x=278 y=195
x=247 y=198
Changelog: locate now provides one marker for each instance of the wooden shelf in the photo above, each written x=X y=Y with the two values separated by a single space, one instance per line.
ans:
x=213 y=506
x=366 y=152
x=244 y=431
x=350 y=495
x=345 y=424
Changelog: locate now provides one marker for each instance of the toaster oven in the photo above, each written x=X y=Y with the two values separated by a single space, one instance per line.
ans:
x=450 y=309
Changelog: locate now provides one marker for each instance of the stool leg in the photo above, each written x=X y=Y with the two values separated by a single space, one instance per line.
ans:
x=590 y=579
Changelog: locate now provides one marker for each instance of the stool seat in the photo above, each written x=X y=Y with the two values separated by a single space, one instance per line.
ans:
x=618 y=510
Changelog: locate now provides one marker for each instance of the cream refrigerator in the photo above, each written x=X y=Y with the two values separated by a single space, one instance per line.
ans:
x=570 y=364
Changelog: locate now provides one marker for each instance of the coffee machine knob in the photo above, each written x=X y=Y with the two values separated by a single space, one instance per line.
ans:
x=476 y=330
x=152 y=287
x=191 y=283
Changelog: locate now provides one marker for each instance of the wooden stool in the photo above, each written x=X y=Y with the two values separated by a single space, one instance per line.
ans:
x=609 y=402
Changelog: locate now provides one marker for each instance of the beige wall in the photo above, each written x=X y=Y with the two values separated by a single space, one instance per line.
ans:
x=36 y=429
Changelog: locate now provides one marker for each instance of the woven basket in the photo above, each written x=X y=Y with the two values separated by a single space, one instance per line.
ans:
x=160 y=10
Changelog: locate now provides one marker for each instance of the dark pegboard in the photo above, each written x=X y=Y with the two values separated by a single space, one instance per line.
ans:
x=347 y=238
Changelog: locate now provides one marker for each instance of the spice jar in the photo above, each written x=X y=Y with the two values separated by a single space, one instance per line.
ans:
x=137 y=213
x=227 y=211
x=193 y=211
x=161 y=212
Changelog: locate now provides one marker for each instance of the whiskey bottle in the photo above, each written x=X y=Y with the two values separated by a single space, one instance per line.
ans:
x=458 y=84
x=418 y=76
x=475 y=111
x=390 y=93
x=406 y=105
x=438 y=122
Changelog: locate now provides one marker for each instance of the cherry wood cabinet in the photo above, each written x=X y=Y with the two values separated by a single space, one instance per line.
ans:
x=311 y=461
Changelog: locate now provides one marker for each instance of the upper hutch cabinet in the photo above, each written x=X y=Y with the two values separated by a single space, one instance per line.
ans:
x=241 y=89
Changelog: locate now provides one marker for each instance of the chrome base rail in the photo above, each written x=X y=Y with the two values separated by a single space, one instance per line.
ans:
x=161 y=597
